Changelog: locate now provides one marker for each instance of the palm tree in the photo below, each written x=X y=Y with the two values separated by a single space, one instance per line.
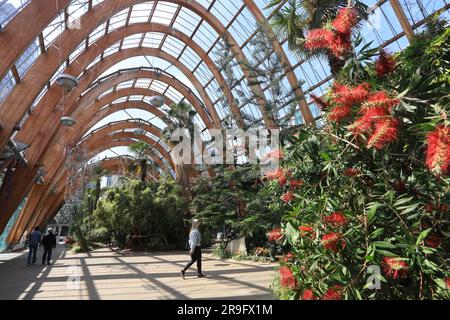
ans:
x=97 y=172
x=181 y=116
x=294 y=19
x=144 y=162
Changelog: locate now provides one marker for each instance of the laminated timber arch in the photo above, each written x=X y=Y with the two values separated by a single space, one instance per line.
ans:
x=113 y=165
x=104 y=134
x=51 y=98
x=41 y=197
x=88 y=22
x=36 y=155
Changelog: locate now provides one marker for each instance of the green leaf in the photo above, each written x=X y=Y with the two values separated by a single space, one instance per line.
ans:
x=422 y=236
x=384 y=244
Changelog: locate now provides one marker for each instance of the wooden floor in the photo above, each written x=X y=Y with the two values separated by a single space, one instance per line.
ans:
x=106 y=274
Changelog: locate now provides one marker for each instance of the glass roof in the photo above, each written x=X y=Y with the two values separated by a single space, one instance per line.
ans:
x=382 y=28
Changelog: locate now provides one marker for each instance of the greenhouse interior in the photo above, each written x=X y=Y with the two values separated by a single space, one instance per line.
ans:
x=224 y=149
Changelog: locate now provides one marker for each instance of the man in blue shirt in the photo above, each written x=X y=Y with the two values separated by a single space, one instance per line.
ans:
x=33 y=243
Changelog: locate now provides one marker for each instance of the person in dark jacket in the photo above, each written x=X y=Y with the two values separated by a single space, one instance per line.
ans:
x=49 y=243
x=33 y=244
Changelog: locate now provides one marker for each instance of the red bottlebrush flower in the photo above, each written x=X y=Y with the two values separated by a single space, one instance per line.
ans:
x=275 y=154
x=319 y=102
x=344 y=95
x=385 y=64
x=447 y=282
x=351 y=172
x=332 y=240
x=395 y=267
x=288 y=257
x=385 y=132
x=340 y=45
x=275 y=234
x=287 y=278
x=295 y=184
x=345 y=20
x=333 y=293
x=336 y=218
x=308 y=295
x=433 y=240
x=318 y=39
x=429 y=207
x=399 y=186
x=274 y=174
x=287 y=197
x=305 y=230
x=438 y=150
x=282 y=181
x=339 y=113
x=381 y=99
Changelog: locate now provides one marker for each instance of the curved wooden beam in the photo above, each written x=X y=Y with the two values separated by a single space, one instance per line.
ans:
x=42 y=195
x=67 y=41
x=37 y=14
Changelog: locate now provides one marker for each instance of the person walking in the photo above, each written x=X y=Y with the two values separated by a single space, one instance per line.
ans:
x=49 y=243
x=195 y=249
x=33 y=244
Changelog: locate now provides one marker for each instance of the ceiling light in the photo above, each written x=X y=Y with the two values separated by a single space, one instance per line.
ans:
x=157 y=101
x=67 y=81
x=139 y=131
x=68 y=121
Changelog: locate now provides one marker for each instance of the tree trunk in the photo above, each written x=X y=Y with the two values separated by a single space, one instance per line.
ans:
x=335 y=64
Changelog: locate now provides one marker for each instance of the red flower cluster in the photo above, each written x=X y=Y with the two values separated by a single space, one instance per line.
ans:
x=438 y=207
x=351 y=172
x=279 y=174
x=376 y=120
x=433 y=240
x=337 y=40
x=275 y=234
x=344 y=98
x=385 y=64
x=308 y=295
x=395 y=267
x=447 y=282
x=288 y=257
x=305 y=230
x=287 y=197
x=385 y=132
x=333 y=293
x=400 y=186
x=295 y=184
x=319 y=39
x=336 y=219
x=287 y=278
x=345 y=20
x=275 y=154
x=332 y=241
x=438 y=150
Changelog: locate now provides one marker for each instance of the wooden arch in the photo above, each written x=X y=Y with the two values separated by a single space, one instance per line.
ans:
x=41 y=196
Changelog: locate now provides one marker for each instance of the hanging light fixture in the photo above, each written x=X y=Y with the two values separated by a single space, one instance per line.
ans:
x=139 y=131
x=157 y=101
x=67 y=81
x=68 y=121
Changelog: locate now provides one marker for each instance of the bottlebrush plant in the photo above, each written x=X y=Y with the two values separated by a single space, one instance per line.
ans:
x=372 y=205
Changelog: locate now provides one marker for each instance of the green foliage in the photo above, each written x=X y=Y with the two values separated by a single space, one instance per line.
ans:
x=393 y=206
x=137 y=215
